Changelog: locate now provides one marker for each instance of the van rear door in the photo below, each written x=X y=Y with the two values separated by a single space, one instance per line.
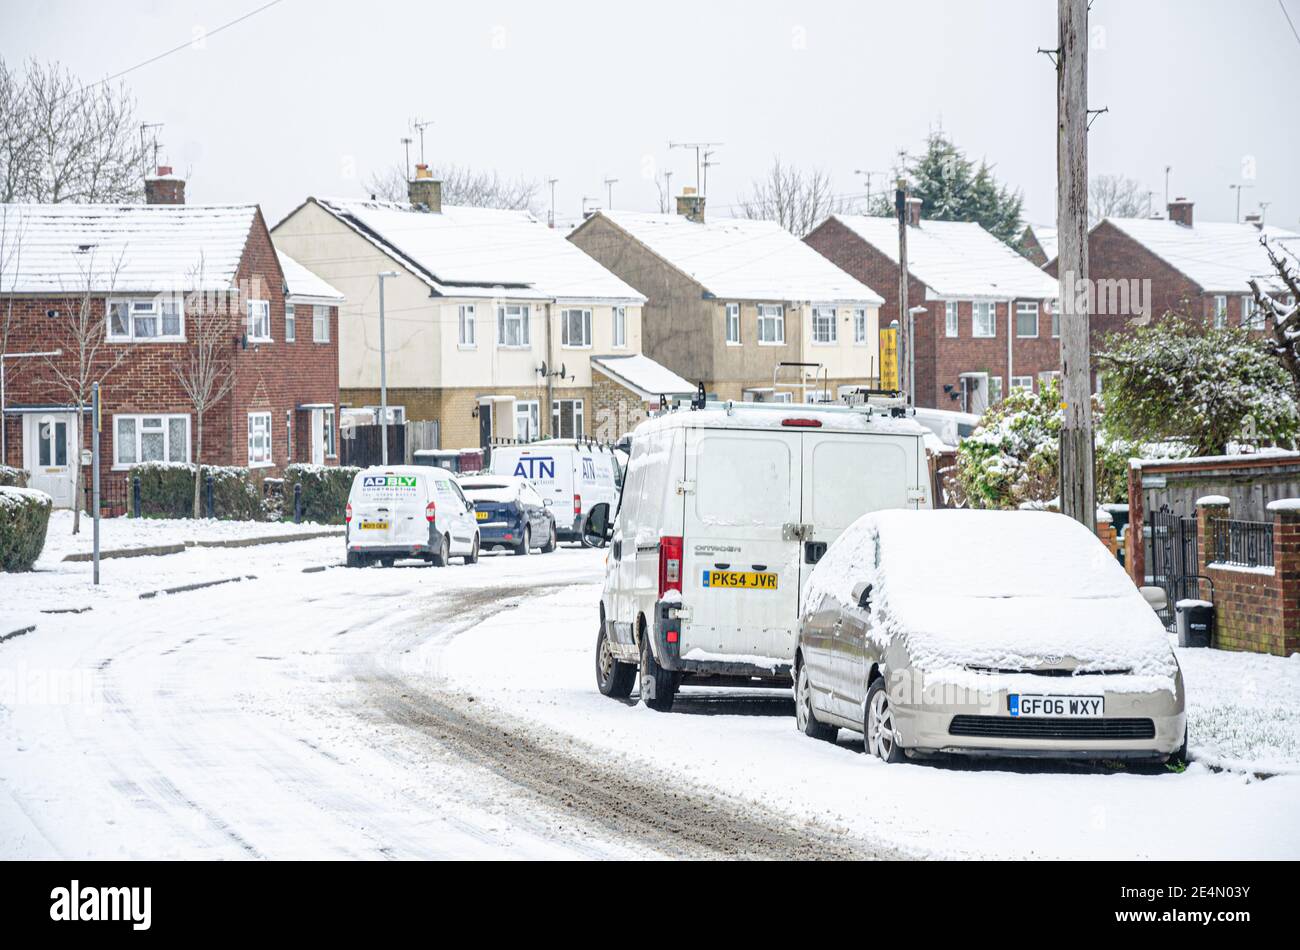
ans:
x=381 y=506
x=741 y=560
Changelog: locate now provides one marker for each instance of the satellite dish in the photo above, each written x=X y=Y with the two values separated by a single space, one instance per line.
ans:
x=543 y=370
x=562 y=372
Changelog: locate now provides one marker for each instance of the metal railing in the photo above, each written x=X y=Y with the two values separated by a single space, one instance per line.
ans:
x=1241 y=543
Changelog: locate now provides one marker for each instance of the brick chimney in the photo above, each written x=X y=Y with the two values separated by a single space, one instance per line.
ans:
x=425 y=191
x=1180 y=210
x=164 y=188
x=691 y=205
x=1256 y=219
x=914 y=212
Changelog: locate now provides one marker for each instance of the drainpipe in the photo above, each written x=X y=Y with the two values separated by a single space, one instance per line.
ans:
x=1011 y=335
x=547 y=424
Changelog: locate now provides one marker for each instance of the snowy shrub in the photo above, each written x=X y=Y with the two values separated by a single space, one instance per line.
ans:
x=24 y=516
x=1013 y=456
x=167 y=491
x=12 y=477
x=1176 y=381
x=325 y=491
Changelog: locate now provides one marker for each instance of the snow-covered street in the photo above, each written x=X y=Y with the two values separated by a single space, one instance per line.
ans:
x=418 y=712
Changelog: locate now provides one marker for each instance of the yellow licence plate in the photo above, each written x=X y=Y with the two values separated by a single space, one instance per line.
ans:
x=756 y=580
x=374 y=526
x=481 y=515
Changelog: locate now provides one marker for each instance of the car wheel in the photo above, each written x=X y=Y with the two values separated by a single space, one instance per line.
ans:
x=614 y=678
x=472 y=556
x=1178 y=761
x=551 y=540
x=878 y=727
x=803 y=711
x=658 y=686
x=439 y=557
x=525 y=545
x=356 y=559
x=387 y=561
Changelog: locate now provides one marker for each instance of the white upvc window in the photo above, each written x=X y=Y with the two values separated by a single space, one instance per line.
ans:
x=1027 y=319
x=1252 y=317
x=733 y=324
x=259 y=321
x=860 y=325
x=513 y=325
x=823 y=325
x=1054 y=308
x=995 y=389
x=150 y=438
x=771 y=324
x=1022 y=382
x=1220 y=311
x=620 y=327
x=159 y=318
x=528 y=420
x=259 y=440
x=567 y=419
x=465 y=323
x=320 y=323
x=951 y=324
x=984 y=320
x=290 y=323
x=575 y=328
x=331 y=433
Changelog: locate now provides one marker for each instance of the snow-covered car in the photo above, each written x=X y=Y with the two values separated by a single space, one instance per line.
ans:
x=984 y=632
x=510 y=513
x=576 y=475
x=408 y=511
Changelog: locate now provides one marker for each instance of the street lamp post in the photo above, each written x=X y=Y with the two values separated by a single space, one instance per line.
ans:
x=383 y=366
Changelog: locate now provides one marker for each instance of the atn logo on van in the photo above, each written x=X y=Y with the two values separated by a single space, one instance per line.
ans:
x=588 y=470
x=388 y=481
x=535 y=466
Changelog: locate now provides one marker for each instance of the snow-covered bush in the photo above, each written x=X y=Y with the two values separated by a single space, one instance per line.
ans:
x=1176 y=381
x=12 y=477
x=1014 y=455
x=24 y=517
x=167 y=491
x=325 y=491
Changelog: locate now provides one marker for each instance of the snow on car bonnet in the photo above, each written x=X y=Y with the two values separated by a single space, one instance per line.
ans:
x=996 y=589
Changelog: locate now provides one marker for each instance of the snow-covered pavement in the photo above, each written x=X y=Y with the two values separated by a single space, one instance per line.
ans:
x=421 y=712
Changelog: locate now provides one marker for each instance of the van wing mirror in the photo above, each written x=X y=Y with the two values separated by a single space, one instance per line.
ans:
x=546 y=502
x=862 y=595
x=597 y=529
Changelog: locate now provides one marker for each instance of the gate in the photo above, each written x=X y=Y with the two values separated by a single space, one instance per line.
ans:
x=1173 y=554
x=364 y=446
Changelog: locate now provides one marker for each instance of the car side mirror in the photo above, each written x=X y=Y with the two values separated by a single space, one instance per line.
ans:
x=469 y=506
x=862 y=595
x=597 y=528
x=546 y=502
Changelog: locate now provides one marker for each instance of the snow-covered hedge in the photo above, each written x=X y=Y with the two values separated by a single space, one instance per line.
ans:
x=24 y=517
x=167 y=491
x=12 y=477
x=325 y=491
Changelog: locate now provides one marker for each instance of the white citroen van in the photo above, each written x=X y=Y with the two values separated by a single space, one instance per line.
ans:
x=574 y=475
x=724 y=512
x=409 y=511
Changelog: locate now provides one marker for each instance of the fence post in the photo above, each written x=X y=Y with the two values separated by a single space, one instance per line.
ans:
x=135 y=496
x=207 y=486
x=297 y=502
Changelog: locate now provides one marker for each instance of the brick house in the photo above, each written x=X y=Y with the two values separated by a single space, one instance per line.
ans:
x=967 y=351
x=729 y=301
x=1038 y=243
x=122 y=289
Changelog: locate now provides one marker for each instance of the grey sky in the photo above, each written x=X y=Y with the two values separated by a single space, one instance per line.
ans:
x=311 y=96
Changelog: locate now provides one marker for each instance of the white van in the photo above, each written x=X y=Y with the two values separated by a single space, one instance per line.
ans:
x=572 y=474
x=409 y=511
x=723 y=514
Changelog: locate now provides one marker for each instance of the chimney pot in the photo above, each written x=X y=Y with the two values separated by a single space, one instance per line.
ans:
x=914 y=212
x=164 y=188
x=1180 y=211
x=424 y=191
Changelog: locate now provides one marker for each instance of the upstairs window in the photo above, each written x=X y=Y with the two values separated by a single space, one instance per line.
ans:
x=984 y=322
x=512 y=325
x=733 y=324
x=771 y=324
x=860 y=325
x=620 y=327
x=290 y=323
x=1027 y=318
x=259 y=321
x=465 y=320
x=149 y=318
x=951 y=325
x=320 y=323
x=575 y=328
x=823 y=324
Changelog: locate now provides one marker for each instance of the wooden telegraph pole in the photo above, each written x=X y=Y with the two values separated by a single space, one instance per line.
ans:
x=904 y=341
x=1078 y=493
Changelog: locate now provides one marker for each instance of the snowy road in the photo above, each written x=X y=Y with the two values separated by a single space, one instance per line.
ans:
x=417 y=712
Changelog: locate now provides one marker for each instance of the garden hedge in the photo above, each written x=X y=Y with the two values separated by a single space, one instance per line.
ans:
x=24 y=518
x=167 y=491
x=325 y=490
x=12 y=477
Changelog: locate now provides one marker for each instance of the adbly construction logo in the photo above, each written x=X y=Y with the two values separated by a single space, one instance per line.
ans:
x=1111 y=297
x=75 y=902
x=388 y=481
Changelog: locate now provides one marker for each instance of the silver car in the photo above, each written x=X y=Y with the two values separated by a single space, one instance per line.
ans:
x=1008 y=633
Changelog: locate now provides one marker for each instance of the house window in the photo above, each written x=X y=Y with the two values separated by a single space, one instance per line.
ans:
x=1027 y=318
x=771 y=324
x=145 y=438
x=396 y=415
x=1252 y=317
x=984 y=320
x=259 y=321
x=575 y=328
x=466 y=323
x=566 y=419
x=951 y=326
x=1022 y=382
x=823 y=324
x=327 y=422
x=733 y=324
x=528 y=420
x=290 y=323
x=259 y=439
x=1054 y=308
x=860 y=325
x=153 y=318
x=620 y=327
x=320 y=324
x=1220 y=311
x=995 y=389
x=512 y=325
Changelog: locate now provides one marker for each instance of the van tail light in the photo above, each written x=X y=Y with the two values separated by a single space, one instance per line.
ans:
x=430 y=512
x=577 y=504
x=347 y=514
x=670 y=565
x=802 y=423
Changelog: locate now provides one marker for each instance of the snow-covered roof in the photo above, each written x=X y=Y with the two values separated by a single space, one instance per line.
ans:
x=1045 y=235
x=71 y=248
x=956 y=260
x=304 y=285
x=739 y=259
x=1221 y=257
x=472 y=252
x=642 y=375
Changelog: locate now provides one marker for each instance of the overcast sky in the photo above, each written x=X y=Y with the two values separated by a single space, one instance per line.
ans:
x=311 y=96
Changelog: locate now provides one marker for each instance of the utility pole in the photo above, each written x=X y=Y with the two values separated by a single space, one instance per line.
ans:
x=551 y=218
x=904 y=313
x=383 y=366
x=1078 y=493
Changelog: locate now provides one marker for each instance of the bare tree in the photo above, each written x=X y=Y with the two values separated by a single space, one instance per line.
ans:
x=1285 y=312
x=62 y=141
x=797 y=200
x=1114 y=196
x=88 y=357
x=203 y=367
x=464 y=186
x=663 y=187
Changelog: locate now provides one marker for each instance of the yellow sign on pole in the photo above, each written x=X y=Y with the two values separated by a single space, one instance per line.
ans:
x=889 y=359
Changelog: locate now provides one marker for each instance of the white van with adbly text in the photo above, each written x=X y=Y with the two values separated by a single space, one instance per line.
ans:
x=409 y=511
x=574 y=475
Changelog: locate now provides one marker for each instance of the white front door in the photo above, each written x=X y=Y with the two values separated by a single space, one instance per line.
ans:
x=48 y=447
x=318 y=437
